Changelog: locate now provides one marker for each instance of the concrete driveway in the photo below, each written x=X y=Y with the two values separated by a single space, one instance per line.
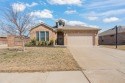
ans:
x=99 y=64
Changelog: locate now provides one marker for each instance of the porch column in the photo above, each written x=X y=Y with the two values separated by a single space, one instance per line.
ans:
x=65 y=38
x=96 y=40
x=55 y=38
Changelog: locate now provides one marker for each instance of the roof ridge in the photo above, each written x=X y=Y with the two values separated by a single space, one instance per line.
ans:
x=41 y=24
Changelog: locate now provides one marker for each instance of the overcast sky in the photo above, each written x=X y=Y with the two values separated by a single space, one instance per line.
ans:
x=104 y=14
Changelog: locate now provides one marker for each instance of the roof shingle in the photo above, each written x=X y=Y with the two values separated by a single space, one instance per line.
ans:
x=121 y=29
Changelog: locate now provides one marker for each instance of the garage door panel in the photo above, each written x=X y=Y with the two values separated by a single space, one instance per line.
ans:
x=80 y=40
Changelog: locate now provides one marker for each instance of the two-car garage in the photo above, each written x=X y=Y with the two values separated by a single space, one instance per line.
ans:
x=80 y=39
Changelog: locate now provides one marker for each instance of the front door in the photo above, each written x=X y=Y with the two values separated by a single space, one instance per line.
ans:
x=60 y=38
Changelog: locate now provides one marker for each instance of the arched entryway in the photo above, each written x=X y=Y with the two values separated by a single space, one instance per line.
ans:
x=60 y=38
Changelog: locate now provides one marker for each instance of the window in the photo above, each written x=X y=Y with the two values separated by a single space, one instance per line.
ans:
x=37 y=36
x=60 y=23
x=47 y=36
x=111 y=35
x=101 y=37
x=42 y=36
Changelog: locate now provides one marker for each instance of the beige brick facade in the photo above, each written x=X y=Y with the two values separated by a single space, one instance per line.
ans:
x=53 y=34
x=42 y=28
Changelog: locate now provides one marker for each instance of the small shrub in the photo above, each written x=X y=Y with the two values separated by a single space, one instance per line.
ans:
x=40 y=43
x=28 y=44
x=43 y=43
x=37 y=43
x=46 y=43
x=33 y=42
x=51 y=42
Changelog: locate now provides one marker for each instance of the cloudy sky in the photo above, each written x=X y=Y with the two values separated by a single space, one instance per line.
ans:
x=104 y=14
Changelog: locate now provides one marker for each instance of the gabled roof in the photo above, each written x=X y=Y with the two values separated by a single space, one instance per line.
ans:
x=66 y=27
x=121 y=29
x=41 y=24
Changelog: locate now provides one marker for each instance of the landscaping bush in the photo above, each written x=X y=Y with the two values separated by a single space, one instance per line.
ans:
x=33 y=42
x=28 y=44
x=51 y=42
x=37 y=43
x=43 y=43
x=46 y=43
x=40 y=43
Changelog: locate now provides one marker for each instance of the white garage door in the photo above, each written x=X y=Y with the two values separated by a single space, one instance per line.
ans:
x=80 y=39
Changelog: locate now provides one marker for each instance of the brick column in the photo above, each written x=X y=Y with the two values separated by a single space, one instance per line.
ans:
x=11 y=41
x=96 y=40
x=65 y=39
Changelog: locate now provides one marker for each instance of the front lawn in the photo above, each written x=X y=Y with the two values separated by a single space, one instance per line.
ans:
x=37 y=59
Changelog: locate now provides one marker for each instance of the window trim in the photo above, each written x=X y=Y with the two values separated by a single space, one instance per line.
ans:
x=45 y=35
x=47 y=39
x=37 y=34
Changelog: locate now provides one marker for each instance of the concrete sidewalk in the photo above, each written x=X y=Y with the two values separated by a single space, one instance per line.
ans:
x=48 y=77
x=3 y=46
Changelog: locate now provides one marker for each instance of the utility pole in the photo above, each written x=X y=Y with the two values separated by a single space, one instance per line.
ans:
x=116 y=36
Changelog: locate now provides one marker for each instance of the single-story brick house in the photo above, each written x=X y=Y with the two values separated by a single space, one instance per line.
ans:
x=3 y=39
x=66 y=35
x=109 y=37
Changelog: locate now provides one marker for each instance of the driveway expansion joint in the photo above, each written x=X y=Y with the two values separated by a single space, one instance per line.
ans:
x=120 y=71
x=86 y=76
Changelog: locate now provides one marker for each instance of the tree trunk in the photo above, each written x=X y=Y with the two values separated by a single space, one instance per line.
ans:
x=23 y=41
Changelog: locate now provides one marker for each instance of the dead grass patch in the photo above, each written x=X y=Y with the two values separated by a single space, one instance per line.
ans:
x=37 y=59
x=120 y=47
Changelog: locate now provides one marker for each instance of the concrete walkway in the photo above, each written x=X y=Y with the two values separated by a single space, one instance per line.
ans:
x=48 y=77
x=101 y=65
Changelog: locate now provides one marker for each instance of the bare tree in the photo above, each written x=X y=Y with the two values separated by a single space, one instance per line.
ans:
x=15 y=23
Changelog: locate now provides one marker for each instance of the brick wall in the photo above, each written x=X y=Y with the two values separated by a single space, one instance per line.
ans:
x=3 y=40
x=15 y=41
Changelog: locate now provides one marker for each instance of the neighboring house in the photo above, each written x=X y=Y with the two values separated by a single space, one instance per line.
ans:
x=66 y=35
x=3 y=39
x=109 y=37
